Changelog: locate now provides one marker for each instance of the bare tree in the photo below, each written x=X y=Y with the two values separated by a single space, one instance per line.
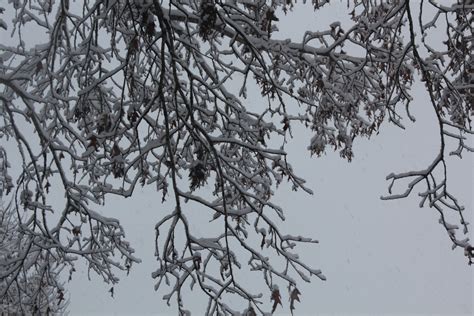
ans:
x=29 y=277
x=120 y=93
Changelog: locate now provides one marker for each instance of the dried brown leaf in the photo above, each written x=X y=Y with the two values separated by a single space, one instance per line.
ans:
x=276 y=298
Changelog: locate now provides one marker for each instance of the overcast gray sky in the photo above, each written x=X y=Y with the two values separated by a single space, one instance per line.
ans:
x=379 y=257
